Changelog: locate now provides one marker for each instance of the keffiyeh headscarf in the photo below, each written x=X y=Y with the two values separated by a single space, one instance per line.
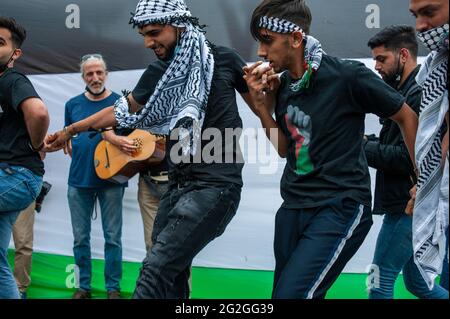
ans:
x=181 y=95
x=430 y=217
x=313 y=48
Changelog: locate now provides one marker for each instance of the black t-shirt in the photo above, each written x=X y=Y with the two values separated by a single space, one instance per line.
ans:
x=333 y=163
x=14 y=139
x=222 y=113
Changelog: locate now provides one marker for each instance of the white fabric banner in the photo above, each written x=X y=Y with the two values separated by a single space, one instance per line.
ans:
x=248 y=241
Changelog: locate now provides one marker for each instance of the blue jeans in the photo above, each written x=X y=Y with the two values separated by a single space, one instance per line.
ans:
x=393 y=253
x=189 y=217
x=313 y=245
x=18 y=188
x=81 y=204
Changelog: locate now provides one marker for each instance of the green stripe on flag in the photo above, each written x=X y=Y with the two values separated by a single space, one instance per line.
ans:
x=49 y=278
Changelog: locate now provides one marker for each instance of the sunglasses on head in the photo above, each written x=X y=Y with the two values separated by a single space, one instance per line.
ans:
x=89 y=56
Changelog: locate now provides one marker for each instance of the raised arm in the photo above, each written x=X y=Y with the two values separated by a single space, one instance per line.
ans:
x=263 y=86
x=102 y=119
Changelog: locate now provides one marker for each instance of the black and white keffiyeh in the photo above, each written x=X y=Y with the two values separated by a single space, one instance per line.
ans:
x=278 y=25
x=181 y=95
x=430 y=218
x=313 y=48
x=436 y=38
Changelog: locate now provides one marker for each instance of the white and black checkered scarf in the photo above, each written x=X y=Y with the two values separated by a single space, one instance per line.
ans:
x=313 y=48
x=430 y=218
x=181 y=95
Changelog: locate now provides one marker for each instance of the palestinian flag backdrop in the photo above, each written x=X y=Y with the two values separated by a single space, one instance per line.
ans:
x=239 y=264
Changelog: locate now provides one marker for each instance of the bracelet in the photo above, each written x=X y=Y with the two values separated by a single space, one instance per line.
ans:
x=67 y=133
x=36 y=149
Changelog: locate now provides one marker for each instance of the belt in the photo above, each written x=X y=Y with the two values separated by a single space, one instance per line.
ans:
x=161 y=173
x=159 y=178
x=159 y=181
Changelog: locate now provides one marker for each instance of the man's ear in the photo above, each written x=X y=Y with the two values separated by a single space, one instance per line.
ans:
x=404 y=54
x=297 y=39
x=16 y=55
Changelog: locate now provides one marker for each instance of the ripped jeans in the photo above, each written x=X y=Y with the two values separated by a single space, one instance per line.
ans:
x=191 y=214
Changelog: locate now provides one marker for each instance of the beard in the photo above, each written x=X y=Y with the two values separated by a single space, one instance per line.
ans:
x=170 y=54
x=4 y=63
x=97 y=90
x=393 y=78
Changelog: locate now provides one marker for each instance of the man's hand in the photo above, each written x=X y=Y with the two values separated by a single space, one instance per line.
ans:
x=410 y=206
x=55 y=142
x=68 y=148
x=262 y=83
x=125 y=144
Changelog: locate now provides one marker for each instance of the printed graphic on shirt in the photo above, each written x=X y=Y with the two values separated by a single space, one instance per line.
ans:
x=299 y=125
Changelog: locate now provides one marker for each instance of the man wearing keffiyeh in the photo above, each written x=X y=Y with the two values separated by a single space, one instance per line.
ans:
x=320 y=103
x=189 y=90
x=430 y=216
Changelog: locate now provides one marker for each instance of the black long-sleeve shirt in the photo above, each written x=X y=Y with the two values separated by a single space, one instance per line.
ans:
x=388 y=154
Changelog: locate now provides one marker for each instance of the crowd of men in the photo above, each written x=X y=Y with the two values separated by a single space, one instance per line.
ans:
x=312 y=107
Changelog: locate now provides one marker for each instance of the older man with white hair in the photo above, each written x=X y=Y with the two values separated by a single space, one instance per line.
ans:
x=85 y=187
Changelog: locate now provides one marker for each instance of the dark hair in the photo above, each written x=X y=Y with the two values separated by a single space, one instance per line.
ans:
x=396 y=37
x=295 y=11
x=18 y=33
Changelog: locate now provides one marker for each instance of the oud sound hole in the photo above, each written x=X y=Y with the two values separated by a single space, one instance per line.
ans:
x=138 y=143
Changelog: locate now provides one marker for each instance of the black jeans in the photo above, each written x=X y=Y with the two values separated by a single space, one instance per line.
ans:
x=190 y=216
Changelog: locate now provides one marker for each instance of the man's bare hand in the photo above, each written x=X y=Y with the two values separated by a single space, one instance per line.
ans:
x=56 y=141
x=262 y=83
x=68 y=148
x=126 y=145
x=410 y=206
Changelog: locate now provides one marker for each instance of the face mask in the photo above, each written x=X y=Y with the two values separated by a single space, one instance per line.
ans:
x=5 y=66
x=436 y=38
